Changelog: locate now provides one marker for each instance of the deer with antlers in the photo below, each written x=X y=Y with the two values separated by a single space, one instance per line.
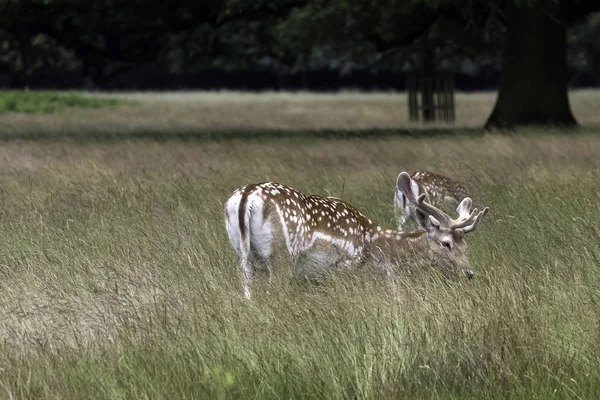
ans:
x=439 y=190
x=323 y=232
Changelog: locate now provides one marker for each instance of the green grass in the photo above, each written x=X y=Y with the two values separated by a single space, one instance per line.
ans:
x=26 y=101
x=117 y=279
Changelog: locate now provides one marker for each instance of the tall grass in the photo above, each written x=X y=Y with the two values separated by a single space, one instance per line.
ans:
x=118 y=281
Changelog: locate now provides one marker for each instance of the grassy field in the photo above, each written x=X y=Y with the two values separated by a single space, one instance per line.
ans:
x=201 y=114
x=117 y=279
x=43 y=102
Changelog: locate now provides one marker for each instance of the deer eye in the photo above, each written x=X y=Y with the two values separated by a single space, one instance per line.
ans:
x=447 y=245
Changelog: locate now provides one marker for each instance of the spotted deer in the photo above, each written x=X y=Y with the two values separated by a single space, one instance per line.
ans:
x=439 y=191
x=322 y=232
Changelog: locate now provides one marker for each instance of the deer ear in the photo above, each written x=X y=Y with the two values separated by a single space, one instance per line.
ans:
x=406 y=187
x=404 y=183
x=427 y=222
x=431 y=225
x=415 y=189
x=434 y=221
x=464 y=208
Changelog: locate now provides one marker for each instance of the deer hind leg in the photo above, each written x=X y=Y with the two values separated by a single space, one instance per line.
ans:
x=264 y=238
x=262 y=243
x=232 y=224
x=257 y=261
x=262 y=230
x=247 y=275
x=235 y=237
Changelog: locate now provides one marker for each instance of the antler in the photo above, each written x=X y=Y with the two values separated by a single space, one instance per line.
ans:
x=465 y=215
x=467 y=220
x=476 y=220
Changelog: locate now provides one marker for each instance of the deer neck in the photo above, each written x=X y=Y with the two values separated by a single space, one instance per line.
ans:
x=396 y=244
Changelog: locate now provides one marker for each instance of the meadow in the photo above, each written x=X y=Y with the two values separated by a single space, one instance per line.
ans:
x=117 y=279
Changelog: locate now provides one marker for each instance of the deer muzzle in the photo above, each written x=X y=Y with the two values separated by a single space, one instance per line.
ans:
x=469 y=273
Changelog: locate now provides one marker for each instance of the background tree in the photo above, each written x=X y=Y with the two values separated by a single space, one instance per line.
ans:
x=583 y=53
x=533 y=87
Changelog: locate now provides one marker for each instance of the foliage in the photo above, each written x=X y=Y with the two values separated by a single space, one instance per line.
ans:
x=49 y=102
x=105 y=38
x=584 y=49
x=390 y=31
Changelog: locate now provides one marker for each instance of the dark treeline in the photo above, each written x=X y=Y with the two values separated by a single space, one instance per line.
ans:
x=324 y=80
x=153 y=77
x=532 y=51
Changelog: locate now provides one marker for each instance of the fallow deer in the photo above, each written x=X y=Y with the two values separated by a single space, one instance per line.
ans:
x=440 y=191
x=321 y=232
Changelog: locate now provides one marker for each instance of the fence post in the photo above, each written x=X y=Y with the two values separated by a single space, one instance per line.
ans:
x=436 y=95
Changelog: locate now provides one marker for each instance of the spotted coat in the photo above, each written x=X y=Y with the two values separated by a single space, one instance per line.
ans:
x=306 y=218
x=257 y=214
x=442 y=192
x=438 y=186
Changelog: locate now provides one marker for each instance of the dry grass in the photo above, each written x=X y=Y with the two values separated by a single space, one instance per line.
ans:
x=117 y=279
x=216 y=111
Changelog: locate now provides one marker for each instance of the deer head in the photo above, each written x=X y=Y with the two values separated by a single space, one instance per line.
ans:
x=446 y=236
x=440 y=191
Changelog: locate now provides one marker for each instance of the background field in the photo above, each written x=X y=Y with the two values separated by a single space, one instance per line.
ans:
x=117 y=279
x=202 y=113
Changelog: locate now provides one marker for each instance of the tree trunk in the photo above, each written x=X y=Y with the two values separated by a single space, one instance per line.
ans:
x=428 y=98
x=428 y=71
x=533 y=83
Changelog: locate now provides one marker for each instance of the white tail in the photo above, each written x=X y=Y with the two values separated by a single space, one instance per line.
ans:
x=322 y=232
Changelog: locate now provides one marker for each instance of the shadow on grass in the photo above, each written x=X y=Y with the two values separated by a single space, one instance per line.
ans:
x=250 y=135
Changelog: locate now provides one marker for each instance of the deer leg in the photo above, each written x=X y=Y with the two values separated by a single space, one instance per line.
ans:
x=305 y=265
x=270 y=271
x=262 y=244
x=383 y=262
x=247 y=275
x=263 y=264
x=389 y=273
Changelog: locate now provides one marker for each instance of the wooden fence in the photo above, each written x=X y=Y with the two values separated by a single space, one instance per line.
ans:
x=431 y=97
